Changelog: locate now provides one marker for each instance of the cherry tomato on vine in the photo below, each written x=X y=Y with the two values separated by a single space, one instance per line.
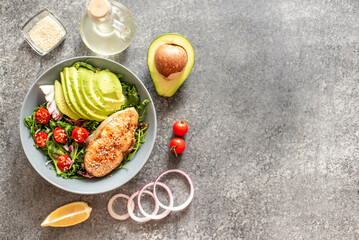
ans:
x=40 y=139
x=80 y=134
x=42 y=115
x=60 y=135
x=64 y=162
x=180 y=128
x=177 y=146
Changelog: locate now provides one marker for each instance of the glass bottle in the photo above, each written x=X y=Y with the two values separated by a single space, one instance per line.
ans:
x=107 y=27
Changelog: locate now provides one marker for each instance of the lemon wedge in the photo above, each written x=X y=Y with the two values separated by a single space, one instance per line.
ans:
x=68 y=215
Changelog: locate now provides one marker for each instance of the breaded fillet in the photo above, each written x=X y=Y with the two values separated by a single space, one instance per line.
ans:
x=111 y=142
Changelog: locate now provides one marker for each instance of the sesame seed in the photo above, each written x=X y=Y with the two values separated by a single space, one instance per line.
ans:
x=46 y=33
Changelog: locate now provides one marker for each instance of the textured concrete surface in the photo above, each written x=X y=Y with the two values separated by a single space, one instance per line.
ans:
x=273 y=102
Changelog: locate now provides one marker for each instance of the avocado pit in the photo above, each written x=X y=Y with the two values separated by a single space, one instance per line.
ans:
x=170 y=59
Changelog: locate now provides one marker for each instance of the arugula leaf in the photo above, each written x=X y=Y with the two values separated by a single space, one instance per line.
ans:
x=143 y=126
x=85 y=65
x=72 y=172
x=139 y=140
x=91 y=125
x=67 y=126
x=78 y=153
x=131 y=94
x=143 y=104
x=132 y=99
x=51 y=149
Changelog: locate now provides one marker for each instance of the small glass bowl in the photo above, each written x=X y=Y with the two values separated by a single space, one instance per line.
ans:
x=32 y=22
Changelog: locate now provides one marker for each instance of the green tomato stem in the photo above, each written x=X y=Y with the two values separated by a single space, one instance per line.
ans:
x=184 y=120
x=174 y=150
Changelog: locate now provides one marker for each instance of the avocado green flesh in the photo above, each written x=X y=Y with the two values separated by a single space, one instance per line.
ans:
x=70 y=93
x=84 y=105
x=71 y=76
x=89 y=89
x=108 y=83
x=166 y=87
x=84 y=75
x=61 y=102
x=92 y=89
x=110 y=89
x=67 y=97
x=91 y=95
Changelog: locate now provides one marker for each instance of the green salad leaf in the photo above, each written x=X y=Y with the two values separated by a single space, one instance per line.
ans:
x=139 y=140
x=85 y=65
x=132 y=99
x=131 y=94
x=91 y=125
x=67 y=126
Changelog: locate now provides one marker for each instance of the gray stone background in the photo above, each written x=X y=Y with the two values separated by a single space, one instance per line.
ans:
x=273 y=102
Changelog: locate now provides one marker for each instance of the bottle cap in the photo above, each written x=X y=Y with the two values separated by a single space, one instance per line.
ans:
x=99 y=8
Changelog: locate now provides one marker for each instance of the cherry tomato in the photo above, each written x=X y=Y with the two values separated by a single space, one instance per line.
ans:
x=60 y=135
x=42 y=115
x=180 y=128
x=80 y=134
x=177 y=145
x=64 y=162
x=40 y=139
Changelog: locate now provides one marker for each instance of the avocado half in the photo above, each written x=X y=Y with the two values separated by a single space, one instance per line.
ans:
x=170 y=59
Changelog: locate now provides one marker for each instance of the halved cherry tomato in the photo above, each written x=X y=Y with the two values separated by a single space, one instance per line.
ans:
x=177 y=145
x=180 y=128
x=42 y=115
x=80 y=134
x=40 y=139
x=64 y=162
x=60 y=135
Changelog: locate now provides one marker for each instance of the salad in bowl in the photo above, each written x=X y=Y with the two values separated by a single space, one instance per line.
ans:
x=93 y=120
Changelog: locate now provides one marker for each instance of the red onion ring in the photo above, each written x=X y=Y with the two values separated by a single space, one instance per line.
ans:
x=183 y=205
x=112 y=212
x=71 y=148
x=130 y=208
x=152 y=216
x=37 y=131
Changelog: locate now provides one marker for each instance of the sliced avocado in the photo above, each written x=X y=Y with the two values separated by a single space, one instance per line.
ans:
x=69 y=93
x=84 y=75
x=165 y=74
x=109 y=90
x=67 y=97
x=91 y=95
x=89 y=90
x=71 y=78
x=61 y=102
x=109 y=84
x=92 y=89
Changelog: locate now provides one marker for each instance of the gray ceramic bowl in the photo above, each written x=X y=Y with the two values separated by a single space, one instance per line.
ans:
x=95 y=185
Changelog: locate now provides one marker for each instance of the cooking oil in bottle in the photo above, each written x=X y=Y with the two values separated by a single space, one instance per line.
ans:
x=107 y=27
